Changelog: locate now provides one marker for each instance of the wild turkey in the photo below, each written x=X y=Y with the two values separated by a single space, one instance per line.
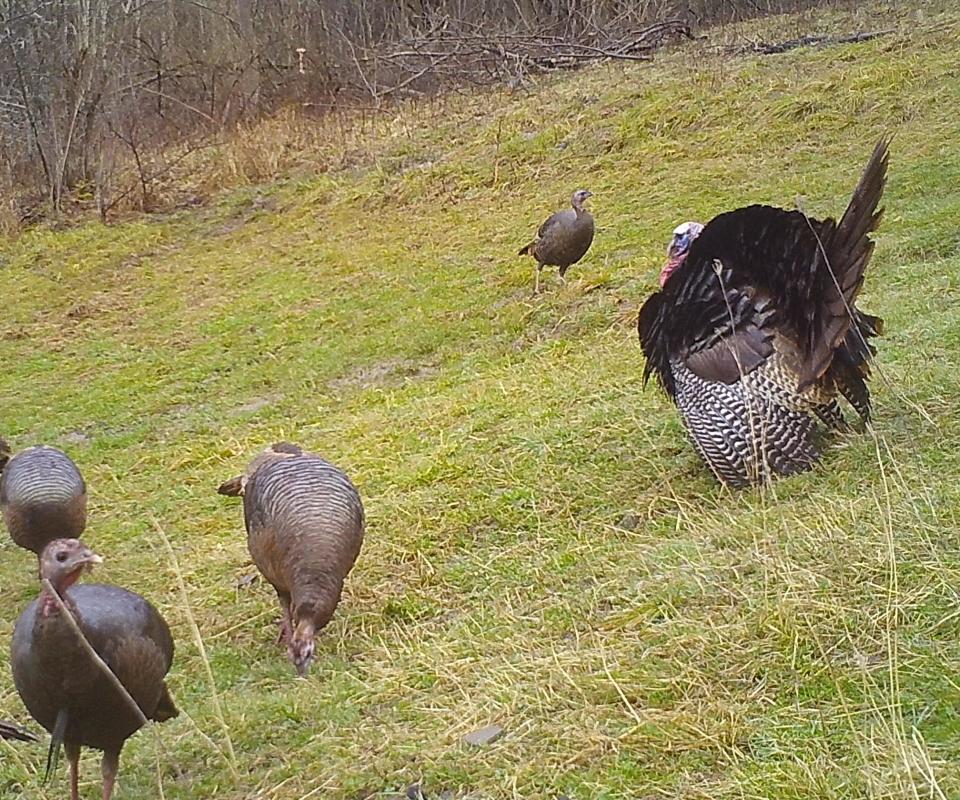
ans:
x=563 y=239
x=43 y=497
x=755 y=331
x=305 y=524
x=10 y=731
x=61 y=685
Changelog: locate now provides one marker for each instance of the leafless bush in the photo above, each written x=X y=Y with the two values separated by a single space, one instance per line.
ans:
x=88 y=84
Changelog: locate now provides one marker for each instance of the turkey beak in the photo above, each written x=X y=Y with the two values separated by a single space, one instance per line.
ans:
x=89 y=559
x=302 y=662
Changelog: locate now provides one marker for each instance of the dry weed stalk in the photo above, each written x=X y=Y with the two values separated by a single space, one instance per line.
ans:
x=231 y=757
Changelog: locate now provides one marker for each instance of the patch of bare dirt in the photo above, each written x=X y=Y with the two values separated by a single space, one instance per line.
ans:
x=391 y=372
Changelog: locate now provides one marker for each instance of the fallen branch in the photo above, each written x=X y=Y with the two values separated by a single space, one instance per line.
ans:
x=403 y=84
x=812 y=40
x=447 y=57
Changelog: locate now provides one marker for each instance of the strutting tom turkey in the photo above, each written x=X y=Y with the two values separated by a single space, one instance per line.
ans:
x=42 y=495
x=563 y=239
x=755 y=332
x=62 y=686
x=305 y=525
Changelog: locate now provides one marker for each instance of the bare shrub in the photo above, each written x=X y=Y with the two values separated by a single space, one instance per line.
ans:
x=90 y=86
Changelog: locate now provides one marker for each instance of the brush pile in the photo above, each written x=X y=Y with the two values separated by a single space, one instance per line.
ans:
x=466 y=53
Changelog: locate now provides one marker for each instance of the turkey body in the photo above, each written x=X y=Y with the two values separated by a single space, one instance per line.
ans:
x=757 y=334
x=305 y=525
x=564 y=238
x=55 y=676
x=43 y=497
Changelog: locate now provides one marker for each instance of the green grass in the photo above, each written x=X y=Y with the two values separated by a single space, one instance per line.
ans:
x=799 y=642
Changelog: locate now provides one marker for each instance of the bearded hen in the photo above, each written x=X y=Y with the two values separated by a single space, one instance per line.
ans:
x=754 y=333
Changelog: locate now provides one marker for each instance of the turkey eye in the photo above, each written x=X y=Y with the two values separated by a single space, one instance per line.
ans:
x=62 y=556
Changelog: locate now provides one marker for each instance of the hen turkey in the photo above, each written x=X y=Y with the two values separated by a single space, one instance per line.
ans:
x=563 y=239
x=63 y=688
x=755 y=334
x=42 y=496
x=305 y=526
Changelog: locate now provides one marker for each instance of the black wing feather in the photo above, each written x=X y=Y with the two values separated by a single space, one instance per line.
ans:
x=761 y=269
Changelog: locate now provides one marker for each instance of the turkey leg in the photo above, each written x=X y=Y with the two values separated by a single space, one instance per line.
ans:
x=286 y=624
x=108 y=769
x=73 y=756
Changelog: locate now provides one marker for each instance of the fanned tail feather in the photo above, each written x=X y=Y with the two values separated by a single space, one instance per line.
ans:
x=869 y=324
x=848 y=249
x=850 y=367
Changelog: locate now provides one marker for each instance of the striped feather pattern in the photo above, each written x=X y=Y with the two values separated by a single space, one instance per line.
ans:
x=753 y=429
x=43 y=497
x=305 y=525
x=301 y=494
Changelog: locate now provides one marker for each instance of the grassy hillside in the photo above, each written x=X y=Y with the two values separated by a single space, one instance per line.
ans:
x=544 y=549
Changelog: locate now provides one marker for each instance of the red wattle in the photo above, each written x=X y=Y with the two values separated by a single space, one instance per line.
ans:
x=670 y=268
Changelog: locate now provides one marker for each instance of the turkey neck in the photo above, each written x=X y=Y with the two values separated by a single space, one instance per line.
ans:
x=315 y=593
x=60 y=652
x=579 y=209
x=49 y=607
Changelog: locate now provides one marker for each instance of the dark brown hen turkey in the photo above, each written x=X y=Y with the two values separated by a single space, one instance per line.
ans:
x=305 y=524
x=755 y=332
x=60 y=683
x=10 y=731
x=563 y=239
x=42 y=495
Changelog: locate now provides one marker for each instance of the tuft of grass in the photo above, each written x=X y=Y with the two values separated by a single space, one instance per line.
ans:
x=544 y=549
